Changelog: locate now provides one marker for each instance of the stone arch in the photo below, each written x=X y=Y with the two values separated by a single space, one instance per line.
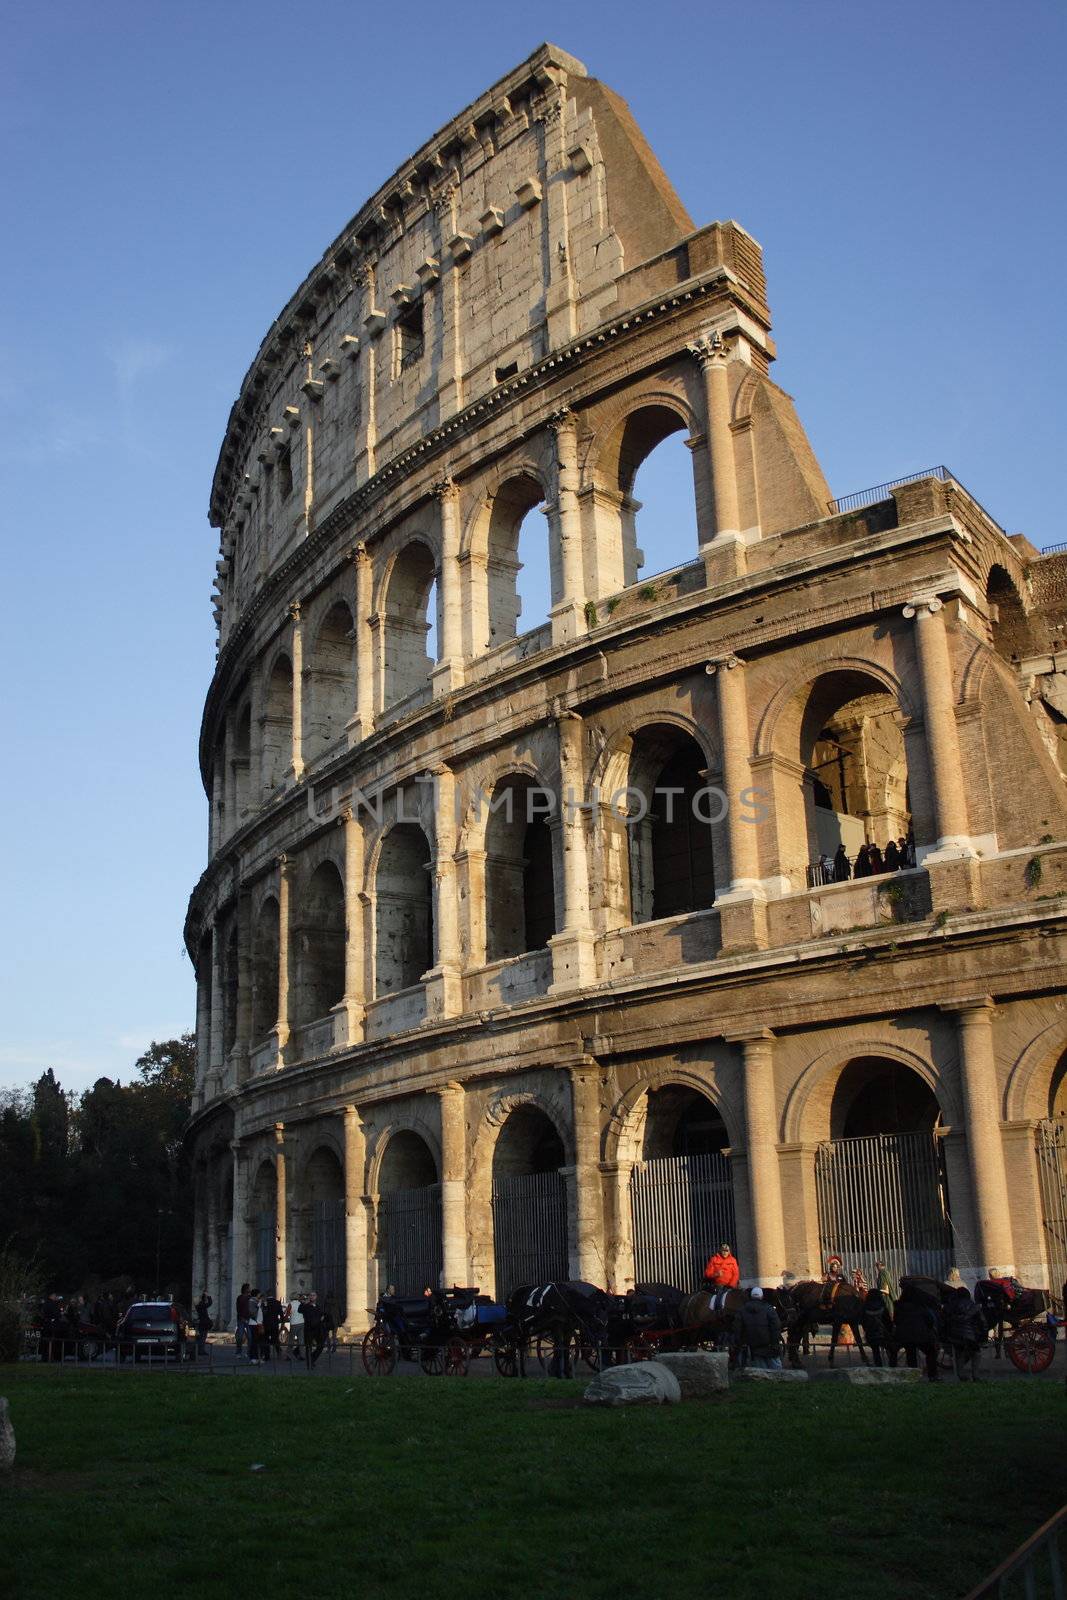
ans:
x=277 y=741
x=806 y=1116
x=403 y=908
x=404 y=1130
x=744 y=396
x=497 y=535
x=266 y=931
x=523 y=891
x=1032 y=1082
x=405 y=1182
x=601 y=455
x=318 y=944
x=1011 y=633
x=330 y=680
x=241 y=757
x=768 y=725
x=316 y=1168
x=405 y=596
x=624 y=1135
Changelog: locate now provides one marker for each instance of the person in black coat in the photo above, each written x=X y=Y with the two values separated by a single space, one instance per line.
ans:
x=272 y=1322
x=891 y=859
x=311 y=1312
x=842 y=866
x=876 y=1324
x=966 y=1332
x=203 y=1321
x=758 y=1329
x=915 y=1328
x=862 y=865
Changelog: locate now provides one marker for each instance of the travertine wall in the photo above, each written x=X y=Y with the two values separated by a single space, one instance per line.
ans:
x=348 y=928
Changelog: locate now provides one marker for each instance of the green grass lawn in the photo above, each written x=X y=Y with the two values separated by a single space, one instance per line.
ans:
x=141 y=1485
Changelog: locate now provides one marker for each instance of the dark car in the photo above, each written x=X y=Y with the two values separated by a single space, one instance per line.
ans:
x=152 y=1328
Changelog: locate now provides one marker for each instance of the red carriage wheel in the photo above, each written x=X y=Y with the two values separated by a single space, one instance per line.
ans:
x=506 y=1357
x=456 y=1359
x=642 y=1347
x=1031 y=1347
x=432 y=1360
x=379 y=1351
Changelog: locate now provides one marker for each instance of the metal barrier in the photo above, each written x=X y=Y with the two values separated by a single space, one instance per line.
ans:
x=1038 y=1558
x=883 y=491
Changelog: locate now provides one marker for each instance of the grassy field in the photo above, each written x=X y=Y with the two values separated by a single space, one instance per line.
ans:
x=139 y=1486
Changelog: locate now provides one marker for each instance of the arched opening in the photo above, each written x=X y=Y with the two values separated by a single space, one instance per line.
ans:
x=265 y=948
x=663 y=522
x=409 y=1216
x=1012 y=635
x=681 y=1191
x=324 y=1187
x=263 y=1215
x=1057 y=1094
x=880 y=1179
x=319 y=945
x=520 y=896
x=242 y=755
x=403 y=903
x=518 y=583
x=854 y=807
x=330 y=683
x=278 y=725
x=230 y=990
x=410 y=591
x=671 y=840
x=1051 y=1154
x=529 y=1201
x=219 y=818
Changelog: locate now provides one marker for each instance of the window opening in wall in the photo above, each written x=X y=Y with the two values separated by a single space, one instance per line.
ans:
x=284 y=473
x=409 y=335
x=663 y=505
x=432 y=600
x=502 y=374
x=533 y=581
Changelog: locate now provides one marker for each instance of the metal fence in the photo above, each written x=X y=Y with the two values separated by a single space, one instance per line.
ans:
x=409 y=1238
x=882 y=491
x=328 y=1249
x=1035 y=1569
x=1051 y=1139
x=529 y=1230
x=885 y=1198
x=682 y=1209
x=266 y=1261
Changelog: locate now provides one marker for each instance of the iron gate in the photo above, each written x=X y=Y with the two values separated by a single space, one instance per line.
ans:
x=328 y=1250
x=682 y=1209
x=1052 y=1180
x=266 y=1227
x=885 y=1198
x=409 y=1239
x=530 y=1230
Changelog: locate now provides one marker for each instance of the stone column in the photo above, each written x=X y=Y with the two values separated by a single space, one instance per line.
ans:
x=574 y=947
x=298 y=691
x=985 y=1149
x=357 y=1313
x=243 y=1031
x=213 y=1287
x=239 y=1263
x=353 y=1005
x=724 y=553
x=590 y=1264
x=761 y=1149
x=741 y=906
x=448 y=673
x=361 y=725
x=939 y=717
x=281 y=1246
x=203 y=1021
x=444 y=983
x=455 y=1268
x=199 y=1266
x=217 y=1029
x=568 y=613
x=281 y=1027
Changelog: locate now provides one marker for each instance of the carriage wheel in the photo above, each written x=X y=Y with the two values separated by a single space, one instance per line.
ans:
x=506 y=1357
x=379 y=1352
x=1031 y=1348
x=283 y=1337
x=642 y=1347
x=456 y=1359
x=432 y=1360
x=89 y=1349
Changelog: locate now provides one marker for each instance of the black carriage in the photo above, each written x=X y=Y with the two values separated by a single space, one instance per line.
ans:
x=1018 y=1321
x=441 y=1332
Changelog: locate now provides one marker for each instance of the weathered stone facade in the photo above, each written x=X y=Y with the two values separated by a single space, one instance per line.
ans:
x=409 y=998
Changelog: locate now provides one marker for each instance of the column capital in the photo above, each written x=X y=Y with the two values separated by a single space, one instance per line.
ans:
x=445 y=1091
x=294 y=611
x=445 y=489
x=560 y=419
x=978 y=1007
x=919 y=604
x=351 y=1114
x=358 y=552
x=724 y=663
x=709 y=349
x=279 y=1133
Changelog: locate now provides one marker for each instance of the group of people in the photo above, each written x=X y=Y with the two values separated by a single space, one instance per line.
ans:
x=75 y=1316
x=260 y=1318
x=870 y=861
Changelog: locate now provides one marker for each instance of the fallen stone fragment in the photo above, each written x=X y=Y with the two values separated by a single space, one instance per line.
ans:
x=700 y=1373
x=645 y=1383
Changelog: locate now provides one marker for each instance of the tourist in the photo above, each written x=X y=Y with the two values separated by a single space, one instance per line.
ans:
x=203 y=1321
x=874 y=856
x=842 y=865
x=272 y=1323
x=722 y=1272
x=331 y=1319
x=965 y=1332
x=862 y=866
x=311 y=1312
x=241 y=1330
x=255 y=1328
x=891 y=859
x=758 y=1329
x=885 y=1286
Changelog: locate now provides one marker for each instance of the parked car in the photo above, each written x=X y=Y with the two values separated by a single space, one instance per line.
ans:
x=152 y=1328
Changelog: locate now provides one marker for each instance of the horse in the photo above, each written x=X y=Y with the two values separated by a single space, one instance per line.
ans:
x=573 y=1315
x=809 y=1304
x=710 y=1313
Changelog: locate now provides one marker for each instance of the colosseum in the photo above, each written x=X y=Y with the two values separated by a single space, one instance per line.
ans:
x=533 y=954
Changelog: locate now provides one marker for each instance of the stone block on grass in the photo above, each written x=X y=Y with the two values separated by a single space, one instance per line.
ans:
x=645 y=1383
x=700 y=1373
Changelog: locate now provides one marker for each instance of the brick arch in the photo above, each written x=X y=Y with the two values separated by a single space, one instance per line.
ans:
x=413 y=1122
x=476 y=524
x=774 y=710
x=806 y=1114
x=473 y=826
x=1026 y=1093
x=615 y=753
x=625 y=1125
x=613 y=420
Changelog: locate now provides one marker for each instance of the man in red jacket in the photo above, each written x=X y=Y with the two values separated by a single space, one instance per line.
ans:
x=722 y=1272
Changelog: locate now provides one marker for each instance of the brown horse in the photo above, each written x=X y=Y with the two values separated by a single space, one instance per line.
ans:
x=812 y=1304
x=703 y=1316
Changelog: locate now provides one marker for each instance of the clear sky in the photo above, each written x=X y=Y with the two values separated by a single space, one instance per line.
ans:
x=172 y=172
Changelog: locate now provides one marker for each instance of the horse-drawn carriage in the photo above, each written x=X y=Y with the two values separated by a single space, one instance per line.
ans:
x=1023 y=1313
x=441 y=1332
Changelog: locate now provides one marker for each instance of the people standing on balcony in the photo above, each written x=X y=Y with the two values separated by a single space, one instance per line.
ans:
x=891 y=858
x=842 y=865
x=862 y=865
x=874 y=858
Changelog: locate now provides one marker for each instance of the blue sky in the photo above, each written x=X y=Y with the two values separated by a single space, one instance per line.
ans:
x=169 y=176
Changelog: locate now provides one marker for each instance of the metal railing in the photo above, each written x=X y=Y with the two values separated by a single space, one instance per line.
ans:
x=1053 y=549
x=1039 y=1558
x=882 y=491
